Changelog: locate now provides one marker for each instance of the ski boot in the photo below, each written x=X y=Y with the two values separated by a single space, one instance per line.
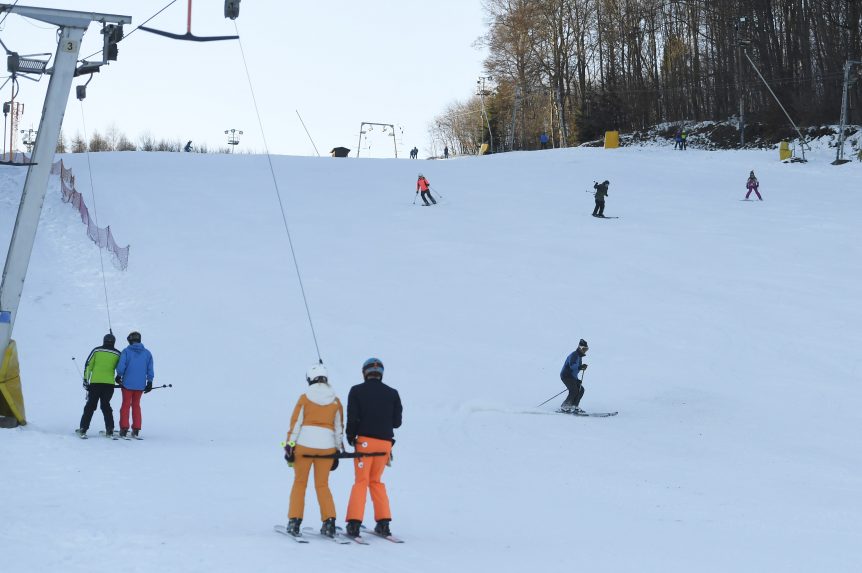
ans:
x=124 y=434
x=109 y=434
x=353 y=528
x=576 y=410
x=81 y=433
x=293 y=526
x=136 y=434
x=328 y=527
x=382 y=528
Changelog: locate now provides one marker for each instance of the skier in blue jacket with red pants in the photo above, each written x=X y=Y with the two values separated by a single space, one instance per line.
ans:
x=135 y=375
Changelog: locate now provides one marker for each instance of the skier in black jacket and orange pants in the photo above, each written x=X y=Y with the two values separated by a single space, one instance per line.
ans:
x=373 y=412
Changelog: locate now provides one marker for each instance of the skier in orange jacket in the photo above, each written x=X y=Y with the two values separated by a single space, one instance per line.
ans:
x=423 y=186
x=316 y=429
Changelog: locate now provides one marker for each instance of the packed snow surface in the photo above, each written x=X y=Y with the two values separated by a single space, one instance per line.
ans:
x=726 y=333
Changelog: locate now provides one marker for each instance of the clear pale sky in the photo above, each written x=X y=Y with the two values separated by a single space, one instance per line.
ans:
x=337 y=62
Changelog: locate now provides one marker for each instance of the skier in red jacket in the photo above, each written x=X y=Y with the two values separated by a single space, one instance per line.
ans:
x=423 y=186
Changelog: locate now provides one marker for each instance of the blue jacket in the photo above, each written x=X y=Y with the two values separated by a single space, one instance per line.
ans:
x=135 y=366
x=570 y=367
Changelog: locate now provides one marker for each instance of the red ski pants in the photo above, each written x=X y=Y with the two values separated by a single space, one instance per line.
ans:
x=131 y=399
x=368 y=472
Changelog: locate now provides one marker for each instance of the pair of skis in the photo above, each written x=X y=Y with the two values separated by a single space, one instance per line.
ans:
x=584 y=414
x=341 y=538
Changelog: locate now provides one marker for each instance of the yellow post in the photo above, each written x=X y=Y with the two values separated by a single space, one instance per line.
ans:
x=483 y=150
x=784 y=150
x=11 y=396
x=612 y=139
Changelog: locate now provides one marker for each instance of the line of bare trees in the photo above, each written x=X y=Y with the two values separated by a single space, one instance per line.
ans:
x=114 y=140
x=575 y=68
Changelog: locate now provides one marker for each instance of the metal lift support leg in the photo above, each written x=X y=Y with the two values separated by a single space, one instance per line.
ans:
x=72 y=27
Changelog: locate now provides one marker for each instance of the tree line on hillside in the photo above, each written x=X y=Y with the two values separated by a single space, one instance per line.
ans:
x=576 y=68
x=114 y=140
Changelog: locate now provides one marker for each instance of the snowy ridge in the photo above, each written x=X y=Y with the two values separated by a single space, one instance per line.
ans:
x=726 y=333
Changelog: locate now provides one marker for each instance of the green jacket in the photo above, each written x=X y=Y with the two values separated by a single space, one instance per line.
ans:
x=101 y=364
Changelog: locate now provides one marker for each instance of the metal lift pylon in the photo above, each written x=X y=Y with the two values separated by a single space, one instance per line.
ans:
x=72 y=26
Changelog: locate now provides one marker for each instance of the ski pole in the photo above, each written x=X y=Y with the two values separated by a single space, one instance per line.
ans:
x=78 y=367
x=415 y=196
x=86 y=391
x=438 y=193
x=163 y=386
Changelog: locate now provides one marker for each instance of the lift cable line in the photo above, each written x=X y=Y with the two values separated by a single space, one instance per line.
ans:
x=95 y=213
x=278 y=195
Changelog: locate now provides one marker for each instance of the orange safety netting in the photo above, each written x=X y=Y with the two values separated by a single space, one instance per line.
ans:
x=101 y=236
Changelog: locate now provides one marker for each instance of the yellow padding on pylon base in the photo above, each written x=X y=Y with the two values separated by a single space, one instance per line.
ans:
x=484 y=148
x=784 y=151
x=612 y=139
x=11 y=397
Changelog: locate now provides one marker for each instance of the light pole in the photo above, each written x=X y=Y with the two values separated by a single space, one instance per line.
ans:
x=29 y=138
x=233 y=138
x=481 y=92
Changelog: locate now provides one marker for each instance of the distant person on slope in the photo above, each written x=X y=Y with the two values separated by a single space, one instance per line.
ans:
x=423 y=186
x=446 y=152
x=753 y=185
x=373 y=412
x=601 y=193
x=135 y=375
x=316 y=428
x=543 y=140
x=569 y=376
x=99 y=383
x=683 y=137
x=188 y=146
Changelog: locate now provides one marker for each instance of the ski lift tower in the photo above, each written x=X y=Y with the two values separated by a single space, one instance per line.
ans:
x=71 y=28
x=386 y=127
x=29 y=139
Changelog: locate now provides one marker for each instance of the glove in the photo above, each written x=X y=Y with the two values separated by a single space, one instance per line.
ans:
x=389 y=461
x=119 y=380
x=149 y=387
x=289 y=455
x=583 y=367
x=334 y=464
x=351 y=440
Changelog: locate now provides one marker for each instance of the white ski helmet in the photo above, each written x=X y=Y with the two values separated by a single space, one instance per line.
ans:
x=315 y=373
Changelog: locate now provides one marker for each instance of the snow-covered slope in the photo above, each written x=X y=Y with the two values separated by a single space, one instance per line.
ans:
x=726 y=333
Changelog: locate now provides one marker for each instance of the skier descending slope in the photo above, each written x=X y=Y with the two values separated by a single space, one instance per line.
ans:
x=316 y=429
x=373 y=411
x=569 y=376
x=424 y=187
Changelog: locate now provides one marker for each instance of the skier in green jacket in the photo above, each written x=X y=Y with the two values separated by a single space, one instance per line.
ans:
x=99 y=384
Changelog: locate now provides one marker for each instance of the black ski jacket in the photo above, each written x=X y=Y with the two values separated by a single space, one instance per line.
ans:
x=373 y=410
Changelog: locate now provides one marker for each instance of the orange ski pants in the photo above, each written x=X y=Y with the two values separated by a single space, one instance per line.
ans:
x=368 y=472
x=301 y=468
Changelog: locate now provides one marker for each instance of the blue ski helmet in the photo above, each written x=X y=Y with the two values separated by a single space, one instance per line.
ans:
x=372 y=366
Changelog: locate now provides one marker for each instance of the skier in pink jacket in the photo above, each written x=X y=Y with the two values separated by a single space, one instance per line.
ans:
x=752 y=185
